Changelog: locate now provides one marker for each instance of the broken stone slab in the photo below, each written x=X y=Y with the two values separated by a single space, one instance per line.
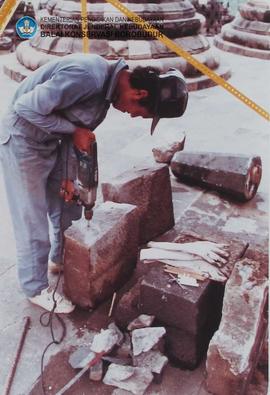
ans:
x=143 y=321
x=133 y=379
x=152 y=360
x=145 y=339
x=185 y=308
x=96 y=371
x=235 y=348
x=81 y=357
x=164 y=153
x=100 y=258
x=104 y=341
x=148 y=188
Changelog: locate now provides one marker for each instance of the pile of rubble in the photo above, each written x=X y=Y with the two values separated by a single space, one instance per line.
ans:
x=132 y=359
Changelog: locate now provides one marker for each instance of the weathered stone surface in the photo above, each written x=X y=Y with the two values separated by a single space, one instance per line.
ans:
x=145 y=339
x=127 y=309
x=96 y=371
x=135 y=380
x=164 y=154
x=235 y=175
x=150 y=190
x=100 y=258
x=184 y=308
x=152 y=360
x=142 y=321
x=104 y=341
x=234 y=349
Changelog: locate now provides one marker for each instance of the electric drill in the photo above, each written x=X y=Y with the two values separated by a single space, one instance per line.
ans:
x=87 y=177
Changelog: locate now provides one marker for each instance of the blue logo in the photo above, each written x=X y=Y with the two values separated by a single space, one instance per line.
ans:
x=26 y=27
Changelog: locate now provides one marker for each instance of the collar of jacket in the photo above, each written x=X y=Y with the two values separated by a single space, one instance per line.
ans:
x=115 y=68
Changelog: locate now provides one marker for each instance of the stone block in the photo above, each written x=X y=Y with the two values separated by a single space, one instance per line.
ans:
x=185 y=308
x=235 y=175
x=149 y=189
x=187 y=350
x=127 y=309
x=235 y=348
x=100 y=258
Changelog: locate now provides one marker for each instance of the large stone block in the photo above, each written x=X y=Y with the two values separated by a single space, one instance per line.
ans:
x=187 y=350
x=183 y=308
x=150 y=190
x=99 y=259
x=127 y=308
x=235 y=348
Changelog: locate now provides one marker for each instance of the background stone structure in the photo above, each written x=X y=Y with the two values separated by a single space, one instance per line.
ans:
x=249 y=33
x=177 y=19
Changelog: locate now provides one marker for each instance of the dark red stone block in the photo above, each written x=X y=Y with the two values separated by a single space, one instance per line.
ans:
x=100 y=259
x=183 y=308
x=150 y=190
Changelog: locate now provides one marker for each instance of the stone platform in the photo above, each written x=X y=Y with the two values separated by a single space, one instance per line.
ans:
x=249 y=33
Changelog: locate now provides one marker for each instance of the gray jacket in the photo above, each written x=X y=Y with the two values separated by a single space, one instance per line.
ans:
x=73 y=91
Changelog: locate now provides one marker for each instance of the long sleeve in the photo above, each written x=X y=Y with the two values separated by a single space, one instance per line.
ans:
x=41 y=106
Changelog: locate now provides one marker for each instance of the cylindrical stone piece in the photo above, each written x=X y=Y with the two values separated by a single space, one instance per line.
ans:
x=98 y=259
x=236 y=175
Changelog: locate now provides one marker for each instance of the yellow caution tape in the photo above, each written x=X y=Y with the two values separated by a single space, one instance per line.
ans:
x=6 y=11
x=84 y=26
x=189 y=58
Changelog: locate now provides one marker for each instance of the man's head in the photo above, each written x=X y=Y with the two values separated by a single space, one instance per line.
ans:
x=136 y=90
x=147 y=93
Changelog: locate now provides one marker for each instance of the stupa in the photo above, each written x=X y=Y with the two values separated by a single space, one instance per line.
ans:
x=249 y=33
x=114 y=36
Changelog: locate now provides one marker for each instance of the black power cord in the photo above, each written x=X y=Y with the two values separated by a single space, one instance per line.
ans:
x=46 y=320
x=50 y=315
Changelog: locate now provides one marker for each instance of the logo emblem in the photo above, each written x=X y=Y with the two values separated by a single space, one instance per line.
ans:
x=26 y=27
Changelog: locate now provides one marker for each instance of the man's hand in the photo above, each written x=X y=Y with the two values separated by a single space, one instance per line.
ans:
x=67 y=190
x=82 y=139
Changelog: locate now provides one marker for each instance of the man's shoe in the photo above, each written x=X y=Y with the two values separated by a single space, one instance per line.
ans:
x=45 y=300
x=55 y=268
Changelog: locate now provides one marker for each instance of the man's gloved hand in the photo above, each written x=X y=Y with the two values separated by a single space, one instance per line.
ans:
x=82 y=139
x=67 y=190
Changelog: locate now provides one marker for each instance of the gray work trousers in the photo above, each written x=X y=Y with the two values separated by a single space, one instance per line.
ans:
x=32 y=171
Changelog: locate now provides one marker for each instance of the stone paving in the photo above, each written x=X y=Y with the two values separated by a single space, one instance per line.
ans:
x=214 y=121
